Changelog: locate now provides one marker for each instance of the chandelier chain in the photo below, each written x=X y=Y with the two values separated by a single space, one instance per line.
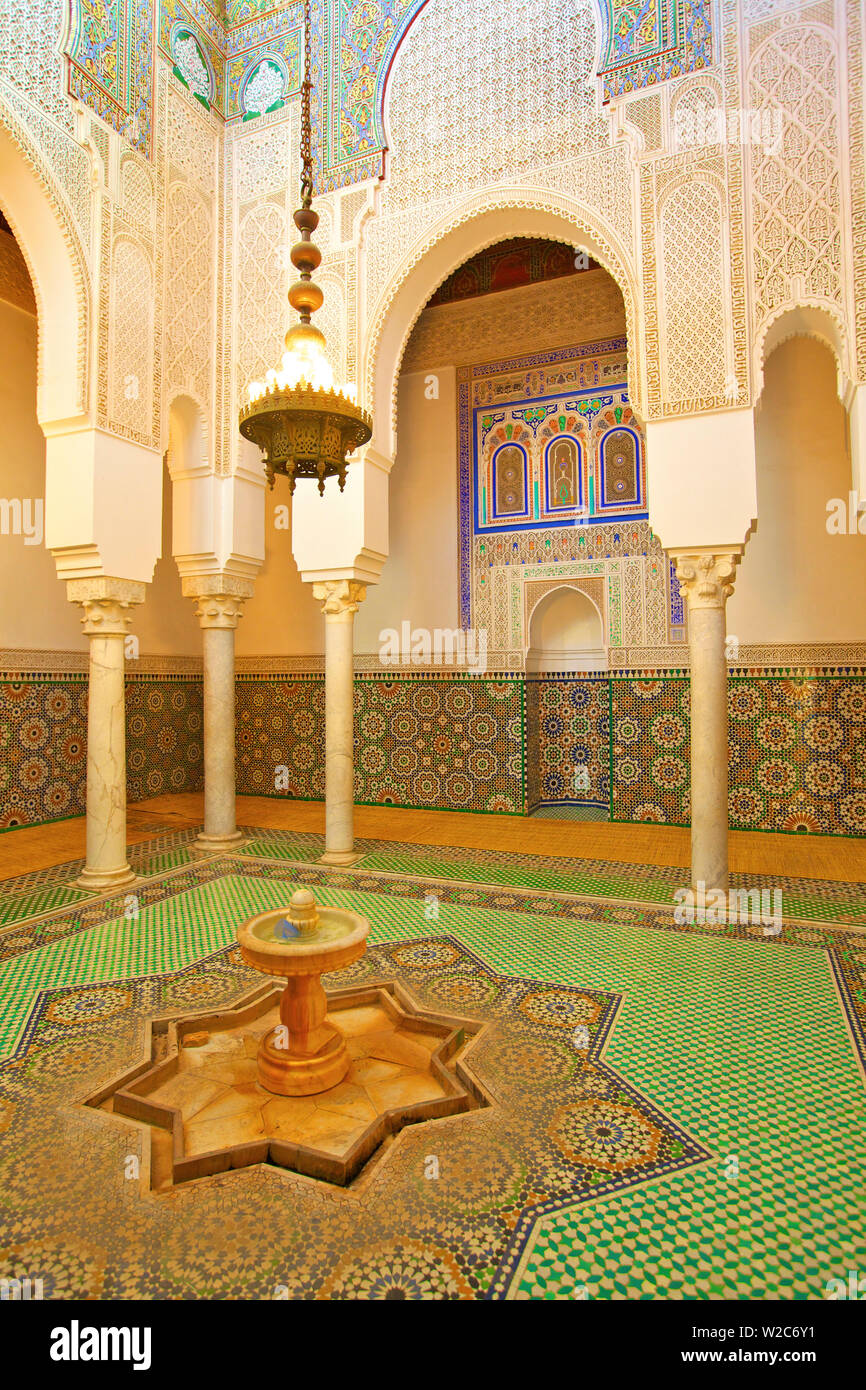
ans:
x=306 y=122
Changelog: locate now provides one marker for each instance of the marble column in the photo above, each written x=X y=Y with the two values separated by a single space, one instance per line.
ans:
x=107 y=612
x=341 y=599
x=219 y=611
x=706 y=579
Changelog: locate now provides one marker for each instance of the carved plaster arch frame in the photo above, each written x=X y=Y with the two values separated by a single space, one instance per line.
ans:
x=807 y=318
x=58 y=267
x=506 y=212
x=555 y=588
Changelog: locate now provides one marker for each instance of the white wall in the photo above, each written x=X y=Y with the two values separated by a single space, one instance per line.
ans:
x=419 y=581
x=165 y=623
x=34 y=612
x=282 y=618
x=796 y=582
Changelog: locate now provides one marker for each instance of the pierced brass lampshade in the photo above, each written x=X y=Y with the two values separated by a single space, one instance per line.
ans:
x=303 y=425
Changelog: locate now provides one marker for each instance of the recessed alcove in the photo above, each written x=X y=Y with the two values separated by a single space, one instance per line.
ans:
x=566 y=634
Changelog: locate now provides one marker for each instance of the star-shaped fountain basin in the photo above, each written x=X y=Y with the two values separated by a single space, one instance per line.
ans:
x=209 y=1112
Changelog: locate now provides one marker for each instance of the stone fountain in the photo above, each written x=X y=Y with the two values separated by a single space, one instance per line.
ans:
x=305 y=1054
x=294 y=1077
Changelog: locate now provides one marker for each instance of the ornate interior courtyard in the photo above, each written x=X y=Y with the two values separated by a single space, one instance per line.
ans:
x=432 y=653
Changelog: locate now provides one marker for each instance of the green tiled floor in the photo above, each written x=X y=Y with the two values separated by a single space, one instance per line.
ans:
x=743 y=1044
x=152 y=865
x=752 y=1054
x=15 y=907
x=801 y=898
x=805 y=899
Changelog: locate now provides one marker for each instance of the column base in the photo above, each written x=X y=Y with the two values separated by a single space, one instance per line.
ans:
x=703 y=890
x=218 y=844
x=340 y=859
x=104 y=880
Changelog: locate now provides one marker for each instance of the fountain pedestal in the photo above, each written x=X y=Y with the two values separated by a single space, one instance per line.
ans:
x=305 y=1054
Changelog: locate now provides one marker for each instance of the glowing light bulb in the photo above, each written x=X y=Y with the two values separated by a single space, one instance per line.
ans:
x=306 y=362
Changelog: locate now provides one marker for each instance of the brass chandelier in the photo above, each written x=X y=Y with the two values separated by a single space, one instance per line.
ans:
x=304 y=426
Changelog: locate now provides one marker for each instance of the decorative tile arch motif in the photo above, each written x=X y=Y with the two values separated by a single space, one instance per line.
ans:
x=192 y=66
x=360 y=45
x=620 y=476
x=110 y=61
x=563 y=474
x=109 y=64
x=645 y=42
x=533 y=401
x=252 y=49
x=508 y=483
x=642 y=44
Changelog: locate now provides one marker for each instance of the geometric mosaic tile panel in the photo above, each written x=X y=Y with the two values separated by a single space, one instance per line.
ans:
x=798 y=754
x=568 y=741
x=454 y=742
x=164 y=739
x=651 y=736
x=43 y=750
x=43 y=744
x=280 y=736
x=433 y=741
x=797 y=745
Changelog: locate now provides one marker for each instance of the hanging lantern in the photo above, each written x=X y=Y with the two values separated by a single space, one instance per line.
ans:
x=304 y=425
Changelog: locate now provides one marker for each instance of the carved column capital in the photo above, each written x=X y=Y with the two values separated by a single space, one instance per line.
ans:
x=706 y=576
x=340 y=598
x=106 y=604
x=219 y=598
x=222 y=611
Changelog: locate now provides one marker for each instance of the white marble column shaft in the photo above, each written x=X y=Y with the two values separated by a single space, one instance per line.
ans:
x=341 y=601
x=218 y=615
x=106 y=606
x=706 y=579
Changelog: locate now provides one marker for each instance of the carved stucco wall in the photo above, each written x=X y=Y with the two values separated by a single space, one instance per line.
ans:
x=492 y=132
x=586 y=307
